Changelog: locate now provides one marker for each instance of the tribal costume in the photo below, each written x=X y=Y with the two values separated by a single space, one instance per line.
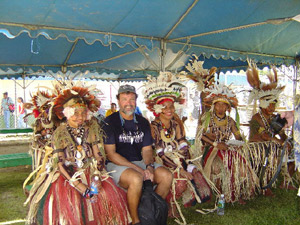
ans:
x=261 y=136
x=228 y=168
x=45 y=123
x=74 y=159
x=171 y=146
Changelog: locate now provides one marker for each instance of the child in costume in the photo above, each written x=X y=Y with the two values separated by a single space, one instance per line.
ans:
x=223 y=159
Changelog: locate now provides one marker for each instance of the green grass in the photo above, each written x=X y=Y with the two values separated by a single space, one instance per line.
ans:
x=283 y=209
x=12 y=196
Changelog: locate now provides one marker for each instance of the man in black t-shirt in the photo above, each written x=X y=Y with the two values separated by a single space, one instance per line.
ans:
x=128 y=145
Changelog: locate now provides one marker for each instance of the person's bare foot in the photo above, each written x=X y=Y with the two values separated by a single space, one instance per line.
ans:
x=268 y=193
x=242 y=202
x=289 y=187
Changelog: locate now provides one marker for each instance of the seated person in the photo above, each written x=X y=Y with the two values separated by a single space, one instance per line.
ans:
x=261 y=135
x=170 y=144
x=63 y=191
x=128 y=146
x=223 y=159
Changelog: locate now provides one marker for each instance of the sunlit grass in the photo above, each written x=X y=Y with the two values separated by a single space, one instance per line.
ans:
x=283 y=209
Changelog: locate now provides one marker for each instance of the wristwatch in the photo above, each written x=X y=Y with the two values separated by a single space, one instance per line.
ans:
x=150 y=164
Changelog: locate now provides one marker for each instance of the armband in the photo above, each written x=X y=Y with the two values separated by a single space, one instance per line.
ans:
x=182 y=145
x=159 y=150
x=190 y=168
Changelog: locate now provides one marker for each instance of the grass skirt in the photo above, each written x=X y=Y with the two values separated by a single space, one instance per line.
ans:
x=63 y=204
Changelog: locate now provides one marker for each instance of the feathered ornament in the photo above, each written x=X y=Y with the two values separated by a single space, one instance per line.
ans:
x=166 y=86
x=266 y=93
x=70 y=97
x=202 y=77
x=220 y=92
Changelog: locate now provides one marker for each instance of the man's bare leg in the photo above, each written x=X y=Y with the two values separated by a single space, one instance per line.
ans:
x=163 y=178
x=133 y=182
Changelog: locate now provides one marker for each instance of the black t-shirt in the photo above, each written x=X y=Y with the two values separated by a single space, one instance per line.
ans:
x=129 y=138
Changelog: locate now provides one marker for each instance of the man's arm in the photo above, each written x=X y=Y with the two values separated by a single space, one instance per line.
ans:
x=116 y=158
x=147 y=154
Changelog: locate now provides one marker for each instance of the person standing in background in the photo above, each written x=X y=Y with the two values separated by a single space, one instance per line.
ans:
x=5 y=103
x=21 y=113
x=113 y=108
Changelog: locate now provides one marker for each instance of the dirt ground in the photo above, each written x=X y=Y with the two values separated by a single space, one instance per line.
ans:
x=14 y=143
x=14 y=148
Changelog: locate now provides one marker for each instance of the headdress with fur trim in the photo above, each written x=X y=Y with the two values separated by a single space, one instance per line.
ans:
x=204 y=78
x=166 y=86
x=265 y=93
x=74 y=97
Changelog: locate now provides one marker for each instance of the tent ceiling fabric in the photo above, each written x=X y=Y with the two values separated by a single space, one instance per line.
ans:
x=132 y=38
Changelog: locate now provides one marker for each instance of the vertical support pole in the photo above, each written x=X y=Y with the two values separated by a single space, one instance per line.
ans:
x=163 y=52
x=16 y=108
x=24 y=88
x=295 y=77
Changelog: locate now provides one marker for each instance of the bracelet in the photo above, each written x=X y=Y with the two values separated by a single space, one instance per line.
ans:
x=215 y=144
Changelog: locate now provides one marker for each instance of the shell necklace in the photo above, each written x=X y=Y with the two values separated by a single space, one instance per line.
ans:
x=77 y=136
x=167 y=135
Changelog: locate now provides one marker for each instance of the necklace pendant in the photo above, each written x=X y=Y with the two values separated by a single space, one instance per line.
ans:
x=79 y=140
x=79 y=148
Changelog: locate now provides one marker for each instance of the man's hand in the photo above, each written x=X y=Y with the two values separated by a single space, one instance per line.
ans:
x=149 y=174
x=289 y=116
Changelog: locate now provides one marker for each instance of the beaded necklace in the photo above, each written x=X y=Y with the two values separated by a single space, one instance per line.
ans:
x=77 y=135
x=265 y=121
x=216 y=129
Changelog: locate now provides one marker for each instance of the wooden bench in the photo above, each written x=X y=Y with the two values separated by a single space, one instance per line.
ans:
x=17 y=159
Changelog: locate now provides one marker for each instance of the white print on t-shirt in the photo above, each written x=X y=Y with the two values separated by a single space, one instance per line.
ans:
x=130 y=137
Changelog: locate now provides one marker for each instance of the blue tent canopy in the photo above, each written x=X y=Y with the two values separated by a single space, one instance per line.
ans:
x=128 y=39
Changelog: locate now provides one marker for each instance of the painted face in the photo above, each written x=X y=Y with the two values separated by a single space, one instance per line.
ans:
x=168 y=111
x=78 y=118
x=220 y=109
x=127 y=103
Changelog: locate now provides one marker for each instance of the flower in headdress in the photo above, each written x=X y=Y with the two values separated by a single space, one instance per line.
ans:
x=68 y=112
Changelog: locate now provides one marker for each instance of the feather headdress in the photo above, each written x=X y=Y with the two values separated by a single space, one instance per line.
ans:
x=203 y=77
x=220 y=92
x=75 y=96
x=266 y=93
x=166 y=86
